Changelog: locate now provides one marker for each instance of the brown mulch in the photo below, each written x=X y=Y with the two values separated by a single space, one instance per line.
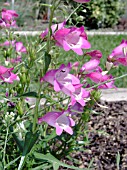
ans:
x=108 y=138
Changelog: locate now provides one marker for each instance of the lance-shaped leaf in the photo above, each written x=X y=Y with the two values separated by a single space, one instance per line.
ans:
x=30 y=140
x=47 y=60
x=19 y=142
x=50 y=158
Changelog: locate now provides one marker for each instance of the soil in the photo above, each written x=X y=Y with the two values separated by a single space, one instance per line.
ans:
x=106 y=148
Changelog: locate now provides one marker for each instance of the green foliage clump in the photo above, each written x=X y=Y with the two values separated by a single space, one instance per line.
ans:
x=98 y=14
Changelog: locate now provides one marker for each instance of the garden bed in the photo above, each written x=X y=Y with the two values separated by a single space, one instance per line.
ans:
x=108 y=138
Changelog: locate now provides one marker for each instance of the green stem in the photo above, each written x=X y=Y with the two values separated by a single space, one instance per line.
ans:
x=116 y=78
x=36 y=110
x=5 y=144
x=73 y=12
x=52 y=8
x=21 y=162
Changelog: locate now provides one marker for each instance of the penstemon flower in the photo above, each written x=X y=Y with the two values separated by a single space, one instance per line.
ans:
x=7 y=76
x=8 y=15
x=119 y=54
x=54 y=28
x=20 y=48
x=72 y=39
x=94 y=54
x=61 y=79
x=60 y=120
x=7 y=18
x=79 y=95
x=99 y=77
x=90 y=65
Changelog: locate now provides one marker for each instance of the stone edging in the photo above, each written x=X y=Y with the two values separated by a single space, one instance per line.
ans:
x=34 y=33
x=114 y=95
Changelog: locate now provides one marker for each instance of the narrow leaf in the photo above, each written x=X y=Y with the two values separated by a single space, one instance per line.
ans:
x=29 y=94
x=47 y=60
x=43 y=166
x=55 y=166
x=118 y=160
x=51 y=136
x=19 y=142
x=12 y=162
x=30 y=140
x=53 y=160
x=90 y=164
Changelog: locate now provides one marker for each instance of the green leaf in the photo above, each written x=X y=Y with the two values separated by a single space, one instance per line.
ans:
x=30 y=140
x=12 y=162
x=43 y=166
x=29 y=94
x=51 y=136
x=47 y=60
x=55 y=166
x=90 y=164
x=1 y=166
x=54 y=161
x=118 y=160
x=19 y=142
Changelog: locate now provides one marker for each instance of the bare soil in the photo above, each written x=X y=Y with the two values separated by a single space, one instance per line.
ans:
x=108 y=139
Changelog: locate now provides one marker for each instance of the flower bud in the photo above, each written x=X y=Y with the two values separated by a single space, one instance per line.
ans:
x=19 y=108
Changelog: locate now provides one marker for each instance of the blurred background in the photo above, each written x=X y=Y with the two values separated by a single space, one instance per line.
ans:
x=99 y=14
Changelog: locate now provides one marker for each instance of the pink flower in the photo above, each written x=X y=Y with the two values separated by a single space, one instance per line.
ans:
x=76 y=108
x=11 y=24
x=7 y=19
x=98 y=77
x=79 y=95
x=94 y=54
x=15 y=60
x=8 y=43
x=8 y=15
x=59 y=120
x=54 y=28
x=72 y=39
x=90 y=65
x=61 y=79
x=118 y=56
x=82 y=1
x=6 y=75
x=20 y=48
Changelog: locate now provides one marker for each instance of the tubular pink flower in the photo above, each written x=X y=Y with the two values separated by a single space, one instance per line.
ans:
x=6 y=24
x=61 y=79
x=54 y=28
x=98 y=77
x=90 y=65
x=81 y=1
x=118 y=56
x=59 y=120
x=8 y=15
x=6 y=75
x=94 y=54
x=20 y=48
x=76 y=108
x=8 y=43
x=72 y=39
x=7 y=19
x=79 y=95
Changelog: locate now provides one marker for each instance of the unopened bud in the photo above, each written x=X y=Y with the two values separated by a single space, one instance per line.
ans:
x=109 y=65
x=19 y=108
